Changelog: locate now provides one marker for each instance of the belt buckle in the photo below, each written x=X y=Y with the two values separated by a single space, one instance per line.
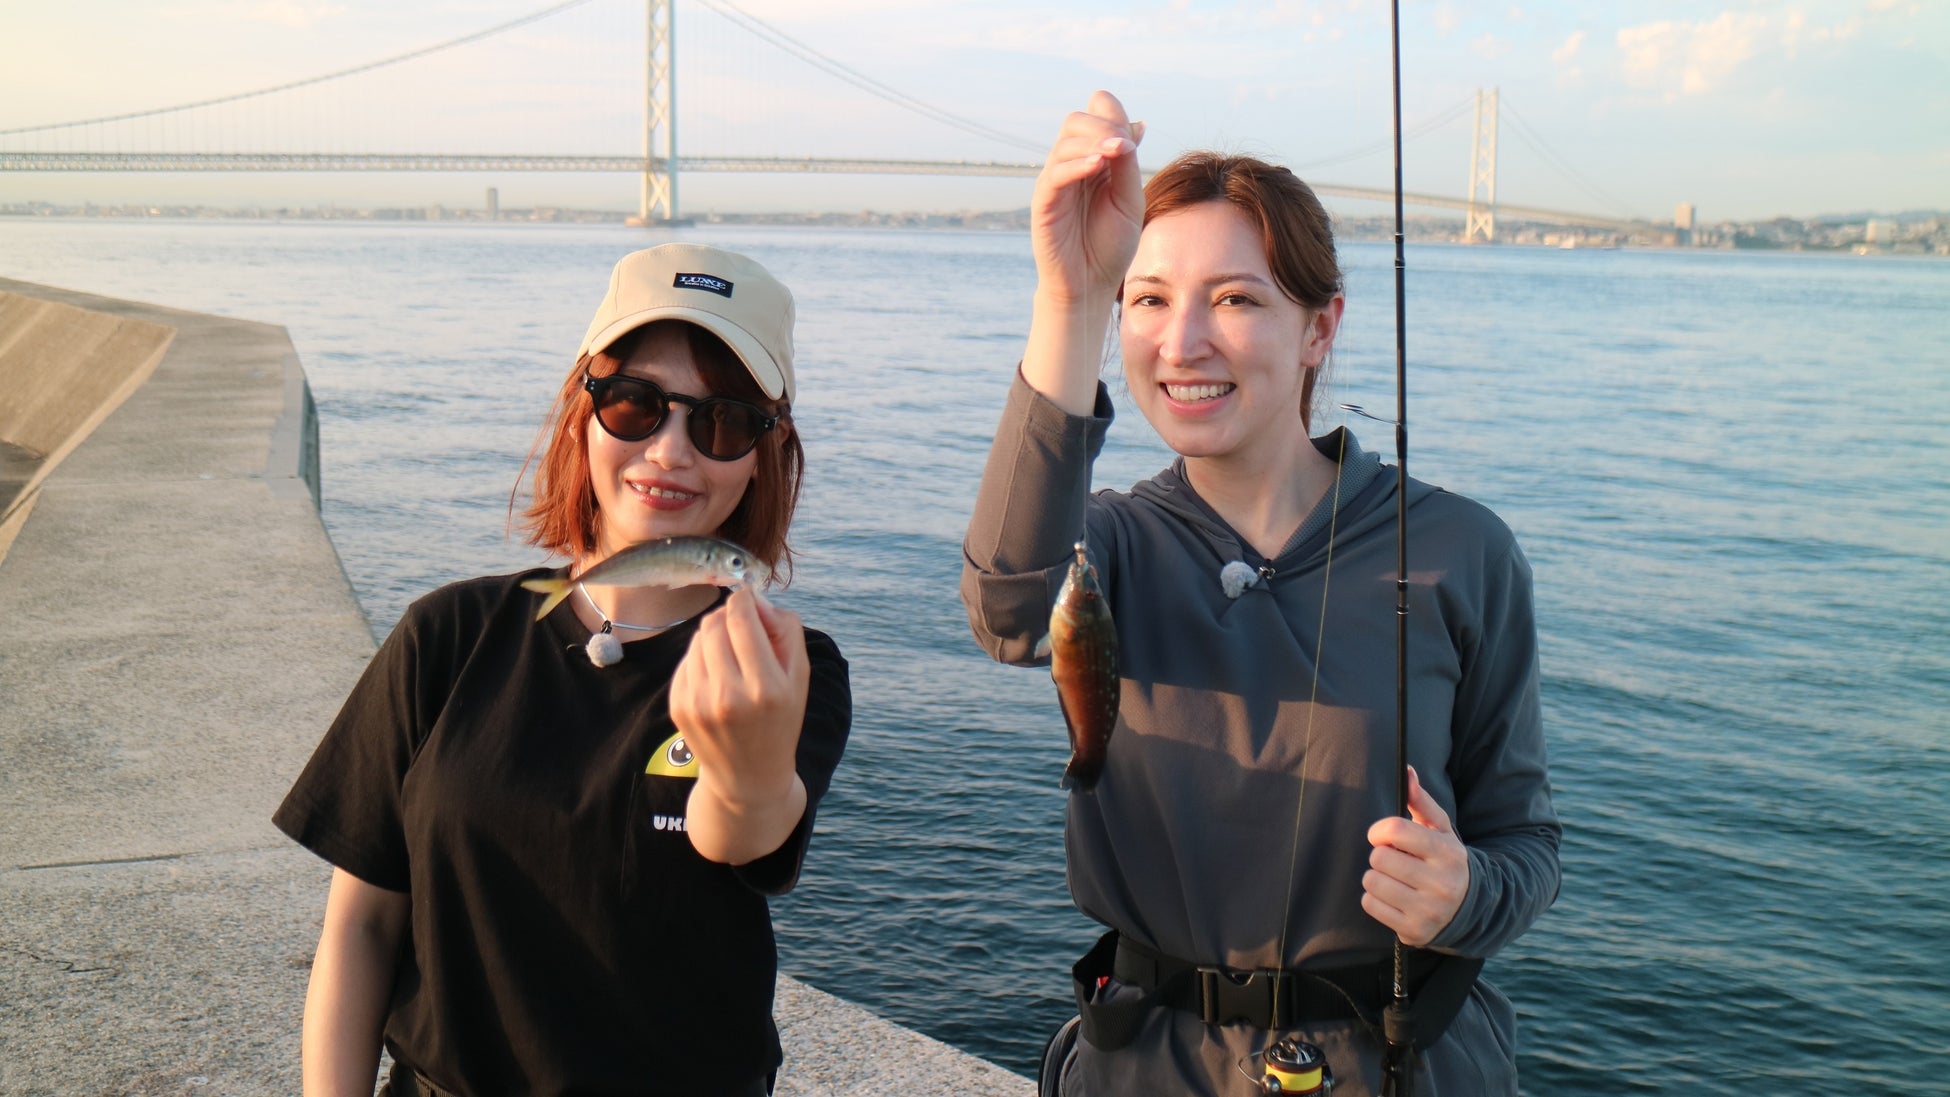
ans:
x=1224 y=996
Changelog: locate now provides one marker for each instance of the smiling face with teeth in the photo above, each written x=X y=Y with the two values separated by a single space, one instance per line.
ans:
x=1215 y=352
x=662 y=486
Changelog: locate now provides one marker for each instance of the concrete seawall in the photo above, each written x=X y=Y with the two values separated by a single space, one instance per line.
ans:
x=175 y=633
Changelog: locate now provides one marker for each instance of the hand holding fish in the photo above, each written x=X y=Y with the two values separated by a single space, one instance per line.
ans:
x=739 y=697
x=1084 y=220
x=1088 y=205
x=1419 y=870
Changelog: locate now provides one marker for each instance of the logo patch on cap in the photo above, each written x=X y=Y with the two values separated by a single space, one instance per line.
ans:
x=707 y=282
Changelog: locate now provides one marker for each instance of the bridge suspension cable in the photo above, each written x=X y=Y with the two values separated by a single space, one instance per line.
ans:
x=119 y=157
x=1536 y=142
x=309 y=81
x=861 y=80
x=1429 y=125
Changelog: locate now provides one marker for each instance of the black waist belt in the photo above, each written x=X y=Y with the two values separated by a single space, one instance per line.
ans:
x=1265 y=998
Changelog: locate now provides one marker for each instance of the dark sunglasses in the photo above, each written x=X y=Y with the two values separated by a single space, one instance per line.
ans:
x=631 y=409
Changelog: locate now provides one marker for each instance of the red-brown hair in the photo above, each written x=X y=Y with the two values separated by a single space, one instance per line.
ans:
x=1293 y=226
x=562 y=517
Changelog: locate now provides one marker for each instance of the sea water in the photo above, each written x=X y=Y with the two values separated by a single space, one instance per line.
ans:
x=1728 y=470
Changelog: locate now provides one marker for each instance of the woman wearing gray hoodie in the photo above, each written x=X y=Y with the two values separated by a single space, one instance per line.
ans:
x=1242 y=843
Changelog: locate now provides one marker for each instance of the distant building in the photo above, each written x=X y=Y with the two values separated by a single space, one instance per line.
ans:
x=494 y=204
x=1682 y=221
x=1879 y=232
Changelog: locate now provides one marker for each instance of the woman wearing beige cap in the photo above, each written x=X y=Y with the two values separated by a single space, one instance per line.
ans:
x=552 y=849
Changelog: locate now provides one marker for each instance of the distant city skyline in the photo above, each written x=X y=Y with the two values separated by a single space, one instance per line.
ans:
x=1746 y=111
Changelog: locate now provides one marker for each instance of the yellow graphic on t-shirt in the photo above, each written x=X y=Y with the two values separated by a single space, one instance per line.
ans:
x=673 y=759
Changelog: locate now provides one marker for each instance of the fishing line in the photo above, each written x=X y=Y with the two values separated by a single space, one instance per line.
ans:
x=1313 y=705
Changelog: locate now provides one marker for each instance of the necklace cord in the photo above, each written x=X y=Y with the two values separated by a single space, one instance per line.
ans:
x=607 y=623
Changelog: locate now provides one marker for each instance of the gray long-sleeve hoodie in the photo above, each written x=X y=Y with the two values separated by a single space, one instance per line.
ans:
x=1238 y=714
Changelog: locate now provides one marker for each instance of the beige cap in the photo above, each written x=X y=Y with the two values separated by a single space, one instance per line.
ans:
x=721 y=291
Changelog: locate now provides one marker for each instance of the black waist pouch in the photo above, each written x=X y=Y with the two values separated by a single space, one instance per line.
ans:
x=1269 y=1000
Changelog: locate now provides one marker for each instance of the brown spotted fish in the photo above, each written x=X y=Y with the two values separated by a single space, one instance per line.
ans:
x=1083 y=660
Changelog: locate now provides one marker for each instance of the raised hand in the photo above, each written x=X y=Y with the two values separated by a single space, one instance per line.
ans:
x=739 y=697
x=1419 y=870
x=1084 y=221
x=1088 y=205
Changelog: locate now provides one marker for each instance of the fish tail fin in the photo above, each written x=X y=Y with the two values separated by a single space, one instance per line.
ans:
x=556 y=589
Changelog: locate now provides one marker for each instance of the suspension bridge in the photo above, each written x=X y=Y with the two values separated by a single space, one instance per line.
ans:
x=176 y=138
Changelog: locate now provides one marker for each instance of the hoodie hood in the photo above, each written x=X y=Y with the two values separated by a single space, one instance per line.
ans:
x=1366 y=495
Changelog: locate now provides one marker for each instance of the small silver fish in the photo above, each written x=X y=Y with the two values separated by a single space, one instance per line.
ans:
x=665 y=562
x=1083 y=660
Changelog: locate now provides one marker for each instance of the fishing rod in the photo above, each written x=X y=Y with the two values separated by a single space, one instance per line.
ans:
x=1397 y=1059
x=1398 y=1017
x=1397 y=1062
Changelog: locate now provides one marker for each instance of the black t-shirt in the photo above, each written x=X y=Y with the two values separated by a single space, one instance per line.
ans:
x=565 y=937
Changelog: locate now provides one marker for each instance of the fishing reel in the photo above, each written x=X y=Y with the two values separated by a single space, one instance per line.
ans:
x=1289 y=1066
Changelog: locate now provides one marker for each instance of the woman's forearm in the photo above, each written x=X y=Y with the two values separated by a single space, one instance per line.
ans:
x=351 y=986
x=738 y=827
x=1065 y=350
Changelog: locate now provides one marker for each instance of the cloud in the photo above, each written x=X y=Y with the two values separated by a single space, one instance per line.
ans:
x=1677 y=59
x=289 y=13
x=1567 y=54
x=1489 y=47
x=1565 y=57
x=1176 y=35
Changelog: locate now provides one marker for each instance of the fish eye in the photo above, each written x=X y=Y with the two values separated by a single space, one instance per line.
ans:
x=738 y=562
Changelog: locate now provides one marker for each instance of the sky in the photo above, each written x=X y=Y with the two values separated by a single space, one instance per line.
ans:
x=1748 y=110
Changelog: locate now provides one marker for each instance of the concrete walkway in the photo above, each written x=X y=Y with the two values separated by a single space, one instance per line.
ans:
x=175 y=634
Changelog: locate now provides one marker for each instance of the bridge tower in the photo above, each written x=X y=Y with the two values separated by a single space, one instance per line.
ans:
x=1482 y=174
x=659 y=196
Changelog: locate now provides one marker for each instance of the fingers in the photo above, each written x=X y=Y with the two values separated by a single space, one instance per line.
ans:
x=1100 y=130
x=1415 y=904
x=1419 y=869
x=1078 y=157
x=1422 y=807
x=784 y=629
x=1105 y=105
x=750 y=642
x=1417 y=833
x=770 y=642
x=747 y=656
x=1086 y=212
x=1405 y=869
x=697 y=685
x=1417 y=907
x=1413 y=930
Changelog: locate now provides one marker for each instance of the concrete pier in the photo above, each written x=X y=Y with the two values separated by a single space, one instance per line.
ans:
x=175 y=634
